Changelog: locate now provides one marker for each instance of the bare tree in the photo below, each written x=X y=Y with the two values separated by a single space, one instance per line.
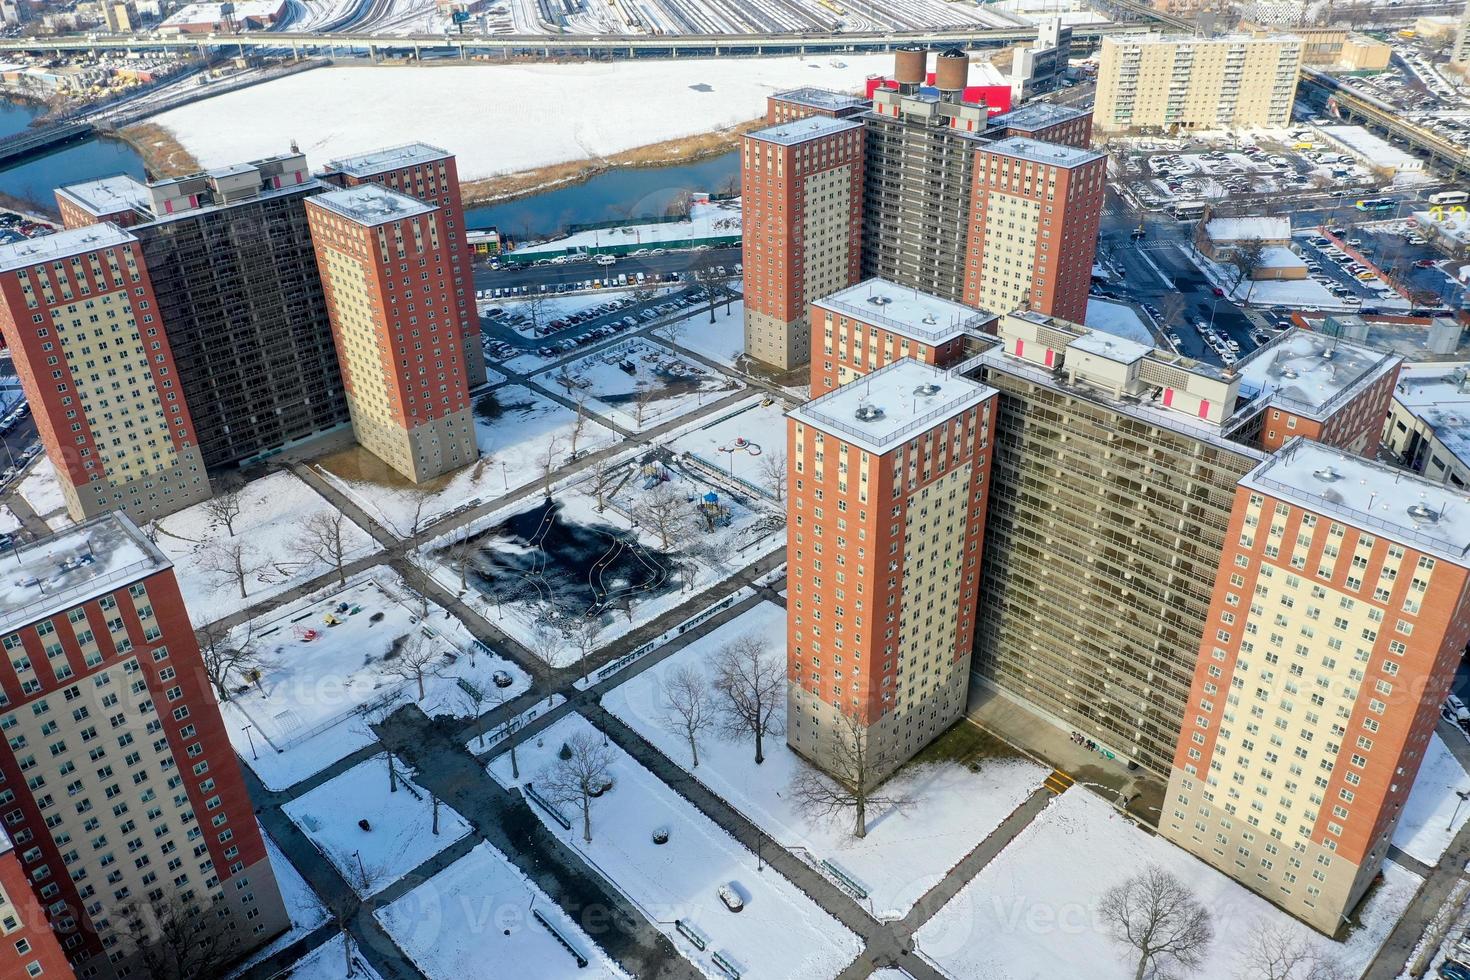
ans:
x=643 y=394
x=751 y=683
x=227 y=653
x=773 y=472
x=413 y=659
x=671 y=331
x=1248 y=259
x=178 y=939
x=535 y=307
x=1171 y=308
x=856 y=769
x=548 y=649
x=547 y=463
x=1277 y=952
x=579 y=421
x=224 y=507
x=421 y=498
x=461 y=557
x=689 y=711
x=364 y=877
x=1158 y=918
x=324 y=536
x=578 y=775
x=664 y=511
x=604 y=475
x=585 y=636
x=232 y=561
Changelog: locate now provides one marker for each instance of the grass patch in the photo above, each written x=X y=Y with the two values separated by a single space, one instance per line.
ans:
x=964 y=743
x=162 y=154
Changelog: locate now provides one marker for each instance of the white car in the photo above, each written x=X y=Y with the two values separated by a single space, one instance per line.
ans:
x=1457 y=708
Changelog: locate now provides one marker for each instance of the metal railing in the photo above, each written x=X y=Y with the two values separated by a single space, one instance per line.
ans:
x=933 y=333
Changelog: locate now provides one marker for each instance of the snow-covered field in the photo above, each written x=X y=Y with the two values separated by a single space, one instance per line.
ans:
x=722 y=341
x=305 y=712
x=473 y=921
x=512 y=446
x=674 y=385
x=8 y=521
x=328 y=962
x=780 y=933
x=480 y=112
x=905 y=853
x=302 y=905
x=42 y=492
x=716 y=220
x=763 y=429
x=401 y=837
x=1032 y=911
x=273 y=511
x=1422 y=831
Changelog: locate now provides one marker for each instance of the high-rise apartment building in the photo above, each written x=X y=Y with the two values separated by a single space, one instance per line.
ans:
x=874 y=323
x=79 y=315
x=230 y=257
x=120 y=787
x=802 y=198
x=888 y=478
x=28 y=947
x=1339 y=614
x=429 y=174
x=387 y=264
x=1047 y=122
x=1176 y=82
x=1034 y=213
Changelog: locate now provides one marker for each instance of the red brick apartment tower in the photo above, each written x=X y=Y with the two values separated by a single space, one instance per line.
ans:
x=889 y=477
x=78 y=312
x=802 y=199
x=870 y=325
x=118 y=785
x=1339 y=615
x=28 y=947
x=1034 y=216
x=386 y=265
x=429 y=174
x=1047 y=123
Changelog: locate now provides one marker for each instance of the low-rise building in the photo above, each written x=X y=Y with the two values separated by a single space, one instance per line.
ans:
x=1428 y=425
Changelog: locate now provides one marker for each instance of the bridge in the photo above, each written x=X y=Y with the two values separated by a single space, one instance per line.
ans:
x=33 y=142
x=1375 y=114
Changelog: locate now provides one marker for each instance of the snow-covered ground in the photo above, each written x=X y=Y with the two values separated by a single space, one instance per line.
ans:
x=306 y=910
x=474 y=921
x=512 y=446
x=780 y=933
x=718 y=220
x=273 y=511
x=603 y=108
x=401 y=836
x=306 y=711
x=905 y=853
x=743 y=441
x=722 y=341
x=675 y=386
x=8 y=521
x=329 y=962
x=41 y=491
x=1425 y=829
x=1032 y=911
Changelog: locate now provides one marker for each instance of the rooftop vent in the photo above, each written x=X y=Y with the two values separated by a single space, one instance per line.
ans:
x=868 y=413
x=1289 y=373
x=1327 y=474
x=927 y=389
x=1328 y=354
x=929 y=319
x=879 y=300
x=1423 y=513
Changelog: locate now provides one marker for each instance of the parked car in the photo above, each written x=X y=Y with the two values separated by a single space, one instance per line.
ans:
x=1454 y=970
x=1457 y=708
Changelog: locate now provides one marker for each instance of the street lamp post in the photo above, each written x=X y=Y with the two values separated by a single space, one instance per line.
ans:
x=1463 y=796
x=252 y=742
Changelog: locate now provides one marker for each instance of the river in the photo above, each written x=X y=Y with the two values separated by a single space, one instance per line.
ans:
x=624 y=193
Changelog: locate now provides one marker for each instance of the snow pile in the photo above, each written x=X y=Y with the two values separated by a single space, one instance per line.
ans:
x=1032 y=911
x=906 y=852
x=480 y=112
x=779 y=933
x=473 y=921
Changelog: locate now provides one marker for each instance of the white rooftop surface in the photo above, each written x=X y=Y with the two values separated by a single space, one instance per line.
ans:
x=1118 y=319
x=62 y=244
x=1294 y=369
x=70 y=567
x=370 y=204
x=109 y=194
x=1370 y=495
x=903 y=310
x=1370 y=148
x=801 y=130
x=1111 y=347
x=389 y=158
x=1244 y=229
x=1280 y=257
x=1033 y=115
x=1051 y=154
x=1451 y=224
x=893 y=390
x=821 y=98
x=210 y=13
x=1439 y=394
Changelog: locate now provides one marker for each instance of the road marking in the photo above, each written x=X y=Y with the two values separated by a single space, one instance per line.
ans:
x=1059 y=782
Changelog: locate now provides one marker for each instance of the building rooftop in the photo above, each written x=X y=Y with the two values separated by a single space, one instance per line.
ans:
x=801 y=130
x=821 y=98
x=391 y=158
x=72 y=566
x=1112 y=347
x=1311 y=373
x=881 y=410
x=369 y=204
x=905 y=311
x=109 y=195
x=1439 y=395
x=213 y=13
x=60 y=245
x=1243 y=229
x=1035 y=115
x=1373 y=496
x=1417 y=339
x=1052 y=154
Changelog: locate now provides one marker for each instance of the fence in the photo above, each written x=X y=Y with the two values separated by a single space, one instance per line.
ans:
x=713 y=471
x=613 y=666
x=548 y=806
x=567 y=943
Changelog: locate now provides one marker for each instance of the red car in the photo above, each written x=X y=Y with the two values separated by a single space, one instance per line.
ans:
x=1425 y=264
x=1218 y=291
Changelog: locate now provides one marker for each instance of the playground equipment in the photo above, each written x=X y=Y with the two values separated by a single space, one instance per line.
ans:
x=714 y=511
x=654 y=473
x=305 y=633
x=740 y=445
x=331 y=619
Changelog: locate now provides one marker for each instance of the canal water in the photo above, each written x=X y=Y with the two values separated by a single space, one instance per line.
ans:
x=615 y=195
